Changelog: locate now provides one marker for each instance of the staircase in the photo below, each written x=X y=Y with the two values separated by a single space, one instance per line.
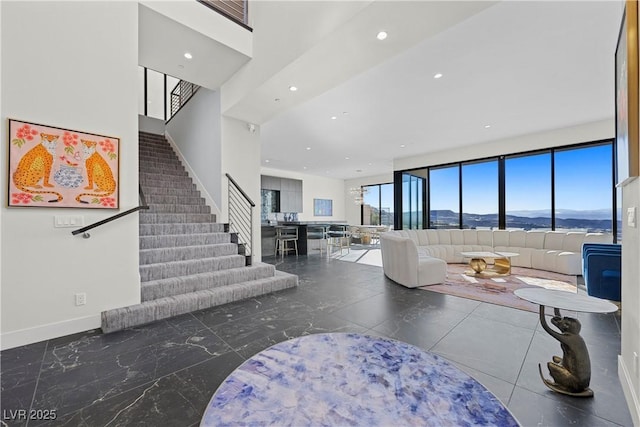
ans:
x=188 y=262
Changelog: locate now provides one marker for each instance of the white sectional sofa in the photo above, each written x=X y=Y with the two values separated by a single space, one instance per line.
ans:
x=418 y=257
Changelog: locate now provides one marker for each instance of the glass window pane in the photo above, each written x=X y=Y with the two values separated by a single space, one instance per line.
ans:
x=444 y=198
x=528 y=192
x=370 y=206
x=412 y=201
x=584 y=189
x=480 y=195
x=155 y=94
x=386 y=207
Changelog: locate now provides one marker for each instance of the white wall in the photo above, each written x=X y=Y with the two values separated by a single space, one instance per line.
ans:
x=71 y=65
x=196 y=131
x=353 y=210
x=316 y=187
x=628 y=369
x=241 y=160
x=150 y=125
x=571 y=135
x=208 y=22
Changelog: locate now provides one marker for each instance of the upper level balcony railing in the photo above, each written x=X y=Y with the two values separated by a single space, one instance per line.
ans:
x=236 y=10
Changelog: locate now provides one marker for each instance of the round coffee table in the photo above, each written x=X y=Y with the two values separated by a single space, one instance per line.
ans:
x=351 y=379
x=501 y=262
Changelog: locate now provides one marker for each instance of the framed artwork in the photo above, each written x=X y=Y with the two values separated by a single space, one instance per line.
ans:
x=626 y=91
x=54 y=167
x=322 y=207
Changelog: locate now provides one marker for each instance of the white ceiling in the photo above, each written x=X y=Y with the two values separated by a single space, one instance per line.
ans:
x=520 y=67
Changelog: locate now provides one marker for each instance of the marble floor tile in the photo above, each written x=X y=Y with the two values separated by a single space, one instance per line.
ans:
x=165 y=373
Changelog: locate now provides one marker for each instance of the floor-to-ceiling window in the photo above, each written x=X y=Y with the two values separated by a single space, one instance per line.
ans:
x=480 y=194
x=563 y=188
x=377 y=206
x=413 y=187
x=528 y=191
x=584 y=189
x=444 y=197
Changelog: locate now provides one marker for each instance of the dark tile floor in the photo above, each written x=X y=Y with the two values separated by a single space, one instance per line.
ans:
x=165 y=373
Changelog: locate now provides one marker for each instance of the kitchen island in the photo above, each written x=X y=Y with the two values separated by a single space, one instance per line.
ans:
x=269 y=235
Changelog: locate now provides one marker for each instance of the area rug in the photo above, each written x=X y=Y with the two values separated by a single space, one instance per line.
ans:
x=499 y=290
x=343 y=379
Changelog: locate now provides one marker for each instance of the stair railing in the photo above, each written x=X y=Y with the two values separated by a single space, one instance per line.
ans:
x=143 y=206
x=240 y=209
x=180 y=95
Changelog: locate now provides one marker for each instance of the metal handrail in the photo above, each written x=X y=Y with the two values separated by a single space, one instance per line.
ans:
x=143 y=206
x=240 y=211
x=180 y=95
x=233 y=10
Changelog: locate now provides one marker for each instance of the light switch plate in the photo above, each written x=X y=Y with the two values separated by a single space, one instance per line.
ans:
x=631 y=217
x=70 y=221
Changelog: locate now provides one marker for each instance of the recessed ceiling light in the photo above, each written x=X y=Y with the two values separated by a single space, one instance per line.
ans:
x=304 y=167
x=346 y=158
x=333 y=117
x=370 y=164
x=308 y=148
x=437 y=75
x=402 y=146
x=293 y=88
x=487 y=126
x=188 y=55
x=267 y=161
x=382 y=35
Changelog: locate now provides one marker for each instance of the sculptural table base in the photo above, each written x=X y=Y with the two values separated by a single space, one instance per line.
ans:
x=582 y=356
x=571 y=372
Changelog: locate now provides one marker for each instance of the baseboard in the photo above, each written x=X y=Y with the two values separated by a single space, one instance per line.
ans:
x=52 y=330
x=629 y=393
x=201 y=188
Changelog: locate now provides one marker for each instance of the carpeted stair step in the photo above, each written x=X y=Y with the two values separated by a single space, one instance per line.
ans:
x=167 y=208
x=184 y=253
x=171 y=229
x=153 y=166
x=171 y=191
x=151 y=311
x=159 y=199
x=174 y=218
x=169 y=170
x=156 y=152
x=179 y=240
x=166 y=270
x=159 y=180
x=157 y=289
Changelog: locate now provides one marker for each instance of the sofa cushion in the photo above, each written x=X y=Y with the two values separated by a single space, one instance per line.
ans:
x=444 y=237
x=573 y=241
x=554 y=239
x=534 y=239
x=470 y=237
x=432 y=236
x=501 y=238
x=457 y=237
x=485 y=238
x=517 y=239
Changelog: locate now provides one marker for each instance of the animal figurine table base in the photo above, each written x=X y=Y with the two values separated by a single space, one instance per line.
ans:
x=572 y=371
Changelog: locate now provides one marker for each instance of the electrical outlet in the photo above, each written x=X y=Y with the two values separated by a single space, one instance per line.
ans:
x=81 y=299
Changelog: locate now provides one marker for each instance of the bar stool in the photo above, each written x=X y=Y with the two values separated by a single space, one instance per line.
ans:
x=338 y=236
x=285 y=235
x=317 y=232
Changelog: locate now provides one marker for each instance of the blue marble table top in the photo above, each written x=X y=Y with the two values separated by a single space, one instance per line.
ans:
x=350 y=379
